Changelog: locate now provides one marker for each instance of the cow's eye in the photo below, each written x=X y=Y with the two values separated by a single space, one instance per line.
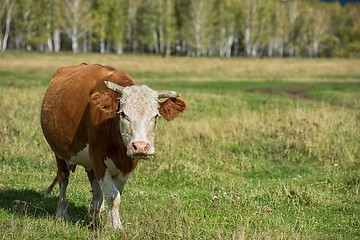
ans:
x=156 y=117
x=124 y=116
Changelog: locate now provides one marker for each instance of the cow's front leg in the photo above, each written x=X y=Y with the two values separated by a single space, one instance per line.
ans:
x=112 y=196
x=97 y=203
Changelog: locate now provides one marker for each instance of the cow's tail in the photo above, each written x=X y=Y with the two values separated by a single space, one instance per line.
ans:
x=50 y=188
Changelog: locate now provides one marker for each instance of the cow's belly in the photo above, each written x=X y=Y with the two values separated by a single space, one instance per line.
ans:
x=82 y=158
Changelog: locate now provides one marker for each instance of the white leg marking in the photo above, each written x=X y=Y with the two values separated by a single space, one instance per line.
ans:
x=117 y=177
x=112 y=196
x=62 y=206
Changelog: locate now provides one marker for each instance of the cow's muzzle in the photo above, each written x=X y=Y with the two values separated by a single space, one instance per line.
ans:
x=140 y=149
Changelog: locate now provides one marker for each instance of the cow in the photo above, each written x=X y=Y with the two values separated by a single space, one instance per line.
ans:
x=97 y=117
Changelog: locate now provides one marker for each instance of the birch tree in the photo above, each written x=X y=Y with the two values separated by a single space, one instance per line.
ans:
x=199 y=26
x=319 y=20
x=102 y=14
x=132 y=25
x=147 y=19
x=166 y=26
x=2 y=12
x=8 y=7
x=30 y=25
x=117 y=24
x=279 y=29
x=254 y=28
x=181 y=8
x=56 y=24
x=76 y=20
x=249 y=25
x=50 y=10
x=293 y=13
x=225 y=26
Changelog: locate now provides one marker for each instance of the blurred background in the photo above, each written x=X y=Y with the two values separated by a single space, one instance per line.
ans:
x=256 y=28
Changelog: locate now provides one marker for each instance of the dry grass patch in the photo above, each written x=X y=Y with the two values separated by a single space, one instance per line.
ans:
x=213 y=69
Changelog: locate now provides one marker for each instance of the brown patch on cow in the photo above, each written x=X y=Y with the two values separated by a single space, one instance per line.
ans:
x=102 y=107
x=109 y=145
x=172 y=107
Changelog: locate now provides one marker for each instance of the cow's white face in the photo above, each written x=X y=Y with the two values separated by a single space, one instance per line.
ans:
x=139 y=110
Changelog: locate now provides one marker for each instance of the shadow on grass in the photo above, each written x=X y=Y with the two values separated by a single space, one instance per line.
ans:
x=31 y=203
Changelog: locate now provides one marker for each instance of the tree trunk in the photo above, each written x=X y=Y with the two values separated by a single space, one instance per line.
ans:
x=49 y=40
x=108 y=46
x=50 y=44
x=74 y=40
x=236 y=45
x=90 y=46
x=2 y=11
x=85 y=45
x=102 y=45
x=168 y=48
x=197 y=40
x=119 y=49
x=315 y=48
x=247 y=42
x=10 y=7
x=161 y=38
x=229 y=45
x=7 y=29
x=74 y=44
x=56 y=40
x=156 y=45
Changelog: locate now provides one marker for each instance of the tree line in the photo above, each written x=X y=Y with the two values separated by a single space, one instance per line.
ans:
x=256 y=28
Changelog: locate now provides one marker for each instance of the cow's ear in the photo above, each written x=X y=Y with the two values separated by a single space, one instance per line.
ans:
x=172 y=107
x=102 y=107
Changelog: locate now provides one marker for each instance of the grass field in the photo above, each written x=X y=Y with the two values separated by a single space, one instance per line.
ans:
x=268 y=149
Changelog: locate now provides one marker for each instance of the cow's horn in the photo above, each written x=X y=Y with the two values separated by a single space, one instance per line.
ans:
x=168 y=94
x=115 y=87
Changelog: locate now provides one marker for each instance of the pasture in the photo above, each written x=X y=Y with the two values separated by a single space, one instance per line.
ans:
x=267 y=149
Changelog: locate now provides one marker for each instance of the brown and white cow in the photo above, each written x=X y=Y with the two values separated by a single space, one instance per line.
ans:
x=97 y=117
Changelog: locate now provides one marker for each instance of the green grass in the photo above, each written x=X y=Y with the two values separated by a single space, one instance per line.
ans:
x=267 y=153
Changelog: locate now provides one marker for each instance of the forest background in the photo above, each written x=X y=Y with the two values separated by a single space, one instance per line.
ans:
x=256 y=28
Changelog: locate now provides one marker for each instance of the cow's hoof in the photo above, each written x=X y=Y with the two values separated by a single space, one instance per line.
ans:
x=118 y=226
x=113 y=220
x=96 y=212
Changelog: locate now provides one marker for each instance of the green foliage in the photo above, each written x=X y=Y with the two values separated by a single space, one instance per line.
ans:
x=259 y=154
x=253 y=28
x=198 y=26
x=167 y=26
x=117 y=23
x=147 y=18
x=102 y=14
x=31 y=22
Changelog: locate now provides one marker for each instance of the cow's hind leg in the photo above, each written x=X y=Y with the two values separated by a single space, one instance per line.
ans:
x=97 y=203
x=63 y=180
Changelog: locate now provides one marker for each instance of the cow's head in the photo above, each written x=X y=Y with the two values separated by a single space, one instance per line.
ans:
x=139 y=108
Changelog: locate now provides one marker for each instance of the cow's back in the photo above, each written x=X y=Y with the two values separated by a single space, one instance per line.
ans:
x=65 y=105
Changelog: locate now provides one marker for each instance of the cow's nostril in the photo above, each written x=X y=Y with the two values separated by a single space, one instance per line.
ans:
x=140 y=147
x=133 y=146
x=147 y=147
